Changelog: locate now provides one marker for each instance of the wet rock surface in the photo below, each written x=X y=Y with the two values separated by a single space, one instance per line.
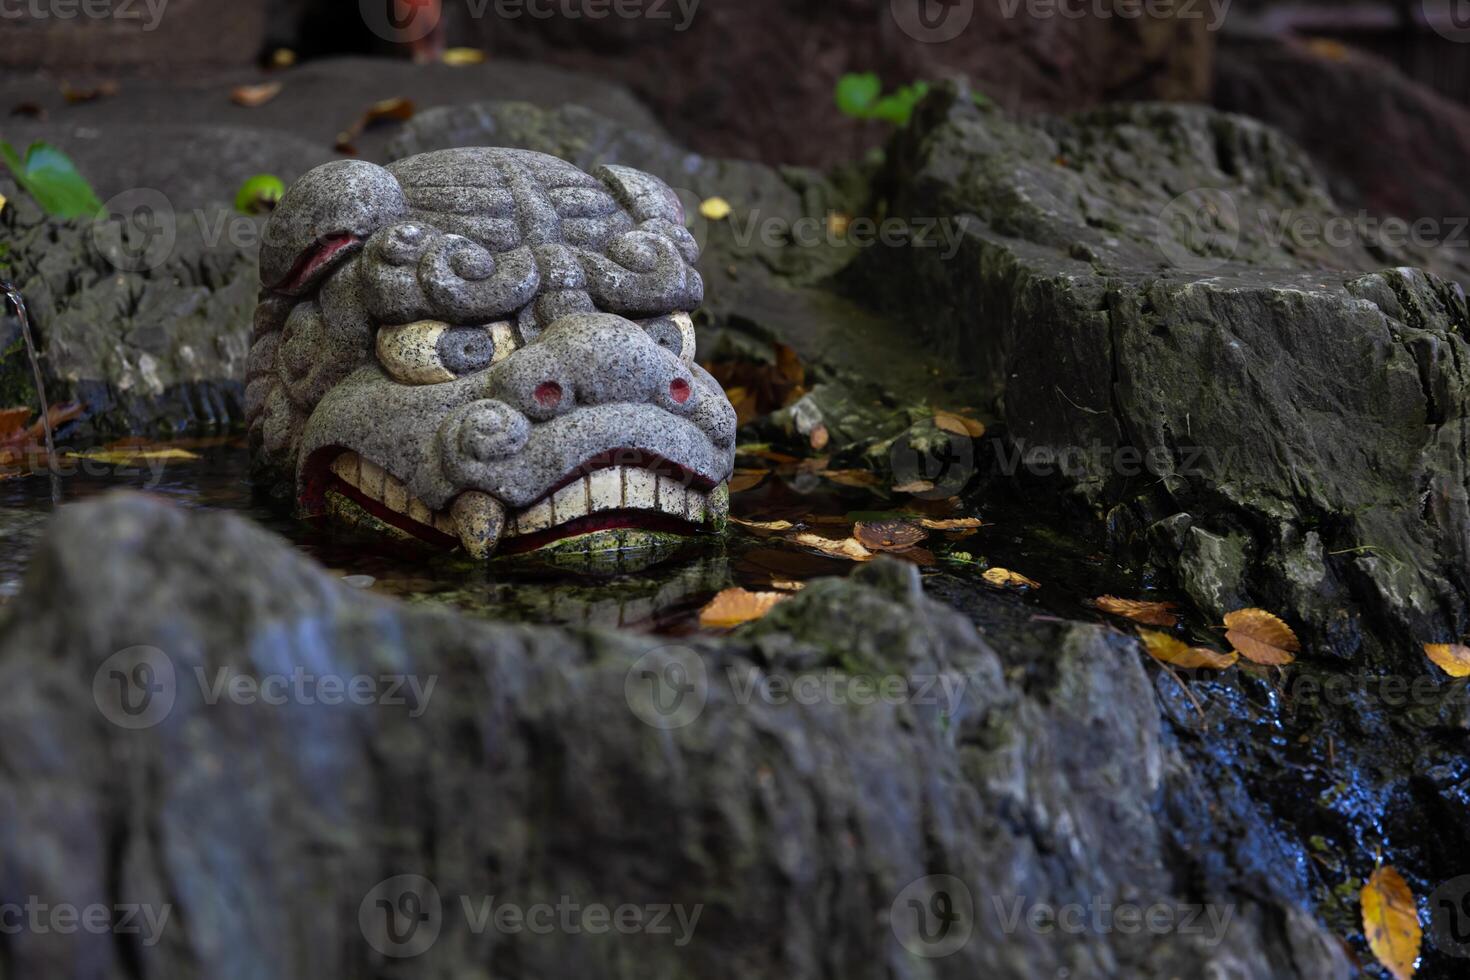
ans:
x=1250 y=418
x=531 y=764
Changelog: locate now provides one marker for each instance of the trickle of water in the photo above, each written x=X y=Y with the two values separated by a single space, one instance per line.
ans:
x=12 y=293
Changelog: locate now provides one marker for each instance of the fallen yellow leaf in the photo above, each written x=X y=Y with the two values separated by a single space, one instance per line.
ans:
x=251 y=96
x=1453 y=658
x=1004 y=578
x=1171 y=650
x=742 y=480
x=837 y=223
x=1148 y=613
x=762 y=525
x=915 y=486
x=1261 y=637
x=2 y=202
x=1391 y=921
x=283 y=58
x=127 y=455
x=862 y=479
x=735 y=606
x=715 y=208
x=848 y=548
x=459 y=57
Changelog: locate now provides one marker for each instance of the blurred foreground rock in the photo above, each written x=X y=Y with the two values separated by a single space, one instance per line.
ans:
x=542 y=765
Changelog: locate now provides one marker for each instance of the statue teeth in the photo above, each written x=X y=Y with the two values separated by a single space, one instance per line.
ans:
x=420 y=512
x=570 y=502
x=479 y=521
x=639 y=489
x=370 y=481
x=535 y=518
x=671 y=496
x=345 y=466
x=605 y=489
x=395 y=494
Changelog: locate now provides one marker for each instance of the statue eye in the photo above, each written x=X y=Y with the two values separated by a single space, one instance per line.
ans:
x=430 y=352
x=674 y=333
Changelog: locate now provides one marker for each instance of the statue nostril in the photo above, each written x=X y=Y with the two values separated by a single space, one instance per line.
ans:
x=679 y=390
x=547 y=394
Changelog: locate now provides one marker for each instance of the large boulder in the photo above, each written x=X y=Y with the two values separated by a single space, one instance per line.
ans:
x=210 y=731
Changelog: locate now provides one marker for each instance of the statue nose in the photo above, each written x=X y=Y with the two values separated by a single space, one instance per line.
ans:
x=589 y=360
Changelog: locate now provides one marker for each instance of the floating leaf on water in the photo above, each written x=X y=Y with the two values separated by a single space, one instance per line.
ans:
x=1004 y=578
x=1261 y=637
x=915 y=486
x=762 y=525
x=743 y=480
x=715 y=208
x=1148 y=613
x=787 y=585
x=251 y=96
x=959 y=425
x=820 y=437
x=735 y=606
x=1391 y=921
x=1171 y=650
x=890 y=535
x=861 y=479
x=848 y=548
x=950 y=524
x=459 y=57
x=126 y=455
x=1452 y=658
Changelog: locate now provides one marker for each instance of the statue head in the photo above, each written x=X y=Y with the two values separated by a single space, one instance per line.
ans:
x=487 y=349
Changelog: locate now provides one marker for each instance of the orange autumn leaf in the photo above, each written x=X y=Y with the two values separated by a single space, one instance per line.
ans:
x=959 y=425
x=1261 y=637
x=1175 y=652
x=251 y=96
x=388 y=110
x=1391 y=921
x=848 y=548
x=1147 y=613
x=735 y=606
x=861 y=479
x=893 y=535
x=1452 y=658
x=1004 y=578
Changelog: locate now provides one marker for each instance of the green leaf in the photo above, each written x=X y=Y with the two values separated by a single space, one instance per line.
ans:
x=856 y=93
x=259 y=193
x=51 y=178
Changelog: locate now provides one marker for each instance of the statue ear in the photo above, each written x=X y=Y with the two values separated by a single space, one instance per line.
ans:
x=641 y=194
x=323 y=219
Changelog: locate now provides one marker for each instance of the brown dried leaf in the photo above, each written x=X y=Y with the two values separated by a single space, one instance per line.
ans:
x=102 y=90
x=950 y=524
x=735 y=606
x=1171 y=650
x=29 y=110
x=1004 y=578
x=1148 y=613
x=743 y=480
x=13 y=420
x=388 y=110
x=1452 y=658
x=849 y=548
x=762 y=525
x=891 y=535
x=959 y=425
x=862 y=479
x=915 y=486
x=251 y=96
x=1391 y=921
x=1261 y=637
